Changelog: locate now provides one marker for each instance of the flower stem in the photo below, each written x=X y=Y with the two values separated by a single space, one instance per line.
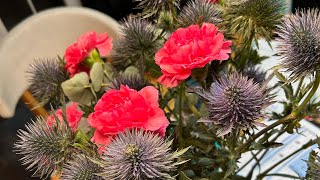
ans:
x=310 y=95
x=265 y=130
x=293 y=115
x=181 y=90
x=305 y=146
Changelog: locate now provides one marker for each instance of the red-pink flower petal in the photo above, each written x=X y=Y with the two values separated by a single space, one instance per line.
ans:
x=190 y=48
x=73 y=116
x=104 y=44
x=78 y=51
x=101 y=141
x=126 y=108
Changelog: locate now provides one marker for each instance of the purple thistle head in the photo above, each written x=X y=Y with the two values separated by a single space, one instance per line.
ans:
x=134 y=81
x=198 y=12
x=235 y=102
x=81 y=168
x=139 y=155
x=300 y=42
x=45 y=78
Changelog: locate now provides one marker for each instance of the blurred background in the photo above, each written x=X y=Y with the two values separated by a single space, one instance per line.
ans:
x=13 y=12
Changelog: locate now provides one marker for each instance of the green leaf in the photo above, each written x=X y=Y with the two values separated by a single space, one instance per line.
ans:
x=81 y=138
x=131 y=70
x=204 y=161
x=232 y=167
x=180 y=152
x=271 y=144
x=183 y=176
x=108 y=71
x=280 y=76
x=76 y=88
x=96 y=75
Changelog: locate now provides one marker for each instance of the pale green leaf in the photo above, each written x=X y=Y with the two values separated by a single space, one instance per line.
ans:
x=76 y=88
x=131 y=70
x=96 y=75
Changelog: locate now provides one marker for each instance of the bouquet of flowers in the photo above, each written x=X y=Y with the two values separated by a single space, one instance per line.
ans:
x=178 y=96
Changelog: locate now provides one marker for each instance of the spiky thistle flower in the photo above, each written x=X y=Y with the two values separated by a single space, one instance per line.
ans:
x=139 y=43
x=46 y=76
x=152 y=8
x=44 y=148
x=198 y=12
x=81 y=168
x=139 y=155
x=251 y=19
x=235 y=102
x=300 y=42
x=134 y=81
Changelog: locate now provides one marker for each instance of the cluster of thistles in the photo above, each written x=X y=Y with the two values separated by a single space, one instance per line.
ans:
x=116 y=126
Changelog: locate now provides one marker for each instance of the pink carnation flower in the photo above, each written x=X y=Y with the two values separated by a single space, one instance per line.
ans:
x=126 y=108
x=189 y=48
x=78 y=51
x=73 y=116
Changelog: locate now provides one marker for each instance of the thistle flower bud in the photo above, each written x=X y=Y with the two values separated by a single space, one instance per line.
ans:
x=152 y=8
x=81 y=168
x=300 y=42
x=253 y=19
x=45 y=148
x=133 y=81
x=139 y=43
x=198 y=12
x=45 y=80
x=235 y=102
x=139 y=155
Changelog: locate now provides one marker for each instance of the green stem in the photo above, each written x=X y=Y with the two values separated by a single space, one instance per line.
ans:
x=265 y=130
x=305 y=146
x=243 y=166
x=284 y=175
x=294 y=114
x=310 y=95
x=180 y=103
x=264 y=153
x=299 y=86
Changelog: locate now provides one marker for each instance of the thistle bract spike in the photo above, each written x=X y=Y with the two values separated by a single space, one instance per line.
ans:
x=45 y=78
x=81 y=168
x=44 y=148
x=198 y=12
x=253 y=19
x=134 y=81
x=235 y=103
x=300 y=42
x=152 y=8
x=138 y=44
x=138 y=155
